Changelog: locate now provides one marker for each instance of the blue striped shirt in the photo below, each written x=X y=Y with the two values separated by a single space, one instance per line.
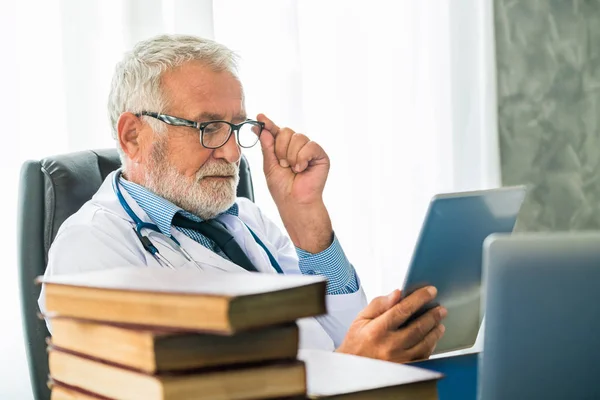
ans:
x=330 y=263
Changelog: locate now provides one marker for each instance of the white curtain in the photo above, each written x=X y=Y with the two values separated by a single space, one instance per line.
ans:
x=399 y=93
x=57 y=62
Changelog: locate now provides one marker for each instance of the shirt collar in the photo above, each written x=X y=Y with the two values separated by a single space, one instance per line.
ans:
x=160 y=210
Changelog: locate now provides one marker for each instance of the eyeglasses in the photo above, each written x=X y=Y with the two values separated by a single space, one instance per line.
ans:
x=214 y=134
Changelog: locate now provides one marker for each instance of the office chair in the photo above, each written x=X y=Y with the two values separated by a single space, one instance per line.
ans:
x=51 y=190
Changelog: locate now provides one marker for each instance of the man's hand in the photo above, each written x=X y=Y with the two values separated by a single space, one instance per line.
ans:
x=374 y=333
x=296 y=170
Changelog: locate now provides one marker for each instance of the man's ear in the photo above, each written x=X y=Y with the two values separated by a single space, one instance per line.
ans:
x=129 y=128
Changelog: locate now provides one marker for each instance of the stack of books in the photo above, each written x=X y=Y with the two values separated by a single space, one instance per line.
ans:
x=144 y=333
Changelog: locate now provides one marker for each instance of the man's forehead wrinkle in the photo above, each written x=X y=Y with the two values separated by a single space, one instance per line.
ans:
x=199 y=86
x=203 y=95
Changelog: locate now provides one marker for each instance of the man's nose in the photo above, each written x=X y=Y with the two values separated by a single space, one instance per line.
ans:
x=230 y=151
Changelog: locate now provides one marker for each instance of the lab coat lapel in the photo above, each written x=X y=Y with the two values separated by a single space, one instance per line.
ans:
x=205 y=257
x=244 y=238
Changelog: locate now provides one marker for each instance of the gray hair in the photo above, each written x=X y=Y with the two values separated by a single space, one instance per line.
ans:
x=136 y=83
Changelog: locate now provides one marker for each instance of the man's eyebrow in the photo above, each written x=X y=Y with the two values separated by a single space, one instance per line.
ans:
x=209 y=116
x=240 y=117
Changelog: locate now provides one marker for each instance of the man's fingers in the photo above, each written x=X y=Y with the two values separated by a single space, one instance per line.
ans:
x=268 y=141
x=379 y=305
x=424 y=348
x=297 y=143
x=396 y=316
x=282 y=142
x=269 y=125
x=420 y=328
x=290 y=149
x=310 y=154
x=267 y=145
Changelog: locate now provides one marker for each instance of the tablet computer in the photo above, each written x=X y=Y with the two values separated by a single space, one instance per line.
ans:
x=448 y=255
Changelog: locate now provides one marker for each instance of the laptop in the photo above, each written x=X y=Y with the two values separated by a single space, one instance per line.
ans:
x=448 y=255
x=542 y=321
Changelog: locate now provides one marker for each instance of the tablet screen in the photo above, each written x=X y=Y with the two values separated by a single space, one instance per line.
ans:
x=448 y=255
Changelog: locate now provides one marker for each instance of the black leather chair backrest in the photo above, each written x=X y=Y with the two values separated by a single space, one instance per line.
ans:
x=50 y=191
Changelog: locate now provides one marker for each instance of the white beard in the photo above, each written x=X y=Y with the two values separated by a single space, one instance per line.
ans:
x=204 y=197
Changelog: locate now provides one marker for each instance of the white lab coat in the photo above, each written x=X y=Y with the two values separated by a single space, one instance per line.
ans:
x=100 y=236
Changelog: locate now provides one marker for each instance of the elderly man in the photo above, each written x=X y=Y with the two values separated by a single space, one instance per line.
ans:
x=177 y=113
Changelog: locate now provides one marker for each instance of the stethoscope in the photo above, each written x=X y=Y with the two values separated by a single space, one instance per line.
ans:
x=153 y=250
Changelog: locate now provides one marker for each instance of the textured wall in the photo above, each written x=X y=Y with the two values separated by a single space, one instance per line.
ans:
x=548 y=70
